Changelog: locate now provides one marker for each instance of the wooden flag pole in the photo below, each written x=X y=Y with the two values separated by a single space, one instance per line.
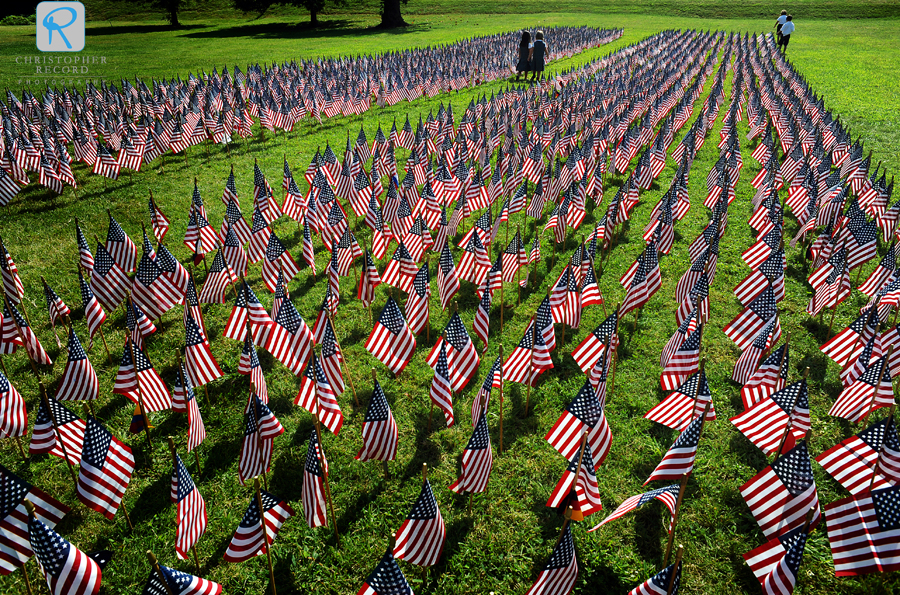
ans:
x=671 y=588
x=52 y=324
x=567 y=515
x=384 y=462
x=873 y=309
x=137 y=380
x=871 y=408
x=519 y=268
x=25 y=565
x=577 y=515
x=615 y=352
x=787 y=427
x=347 y=371
x=488 y=288
x=427 y=305
x=890 y=418
x=697 y=395
x=681 y=488
x=500 y=451
x=59 y=437
x=531 y=380
x=251 y=405
x=337 y=537
x=155 y=564
x=262 y=525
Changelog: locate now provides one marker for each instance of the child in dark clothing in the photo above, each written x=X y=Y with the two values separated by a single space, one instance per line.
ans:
x=537 y=56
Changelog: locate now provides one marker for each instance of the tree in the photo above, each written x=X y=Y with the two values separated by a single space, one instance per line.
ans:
x=313 y=6
x=171 y=7
x=391 y=17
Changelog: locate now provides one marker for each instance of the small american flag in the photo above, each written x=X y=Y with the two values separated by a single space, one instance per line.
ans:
x=667 y=495
x=277 y=260
x=67 y=569
x=872 y=390
x=477 y=461
x=152 y=389
x=220 y=277
x=120 y=246
x=401 y=270
x=863 y=532
x=313 y=488
x=874 y=451
x=448 y=283
x=776 y=564
x=379 y=430
x=93 y=311
x=765 y=423
x=13 y=414
x=151 y=290
x=106 y=468
x=681 y=407
x=200 y=364
x=684 y=362
x=586 y=491
x=768 y=378
x=417 y=304
x=659 y=583
x=260 y=429
x=178 y=583
x=249 y=364
x=559 y=575
x=679 y=460
x=592 y=347
x=462 y=358
x=391 y=341
x=317 y=396
x=14 y=542
x=386 y=579
x=26 y=335
x=290 y=340
x=190 y=521
x=247 y=541
x=369 y=279
x=420 y=539
x=780 y=495
x=79 y=380
x=441 y=390
x=69 y=431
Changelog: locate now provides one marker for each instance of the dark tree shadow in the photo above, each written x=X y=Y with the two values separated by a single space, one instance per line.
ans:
x=334 y=28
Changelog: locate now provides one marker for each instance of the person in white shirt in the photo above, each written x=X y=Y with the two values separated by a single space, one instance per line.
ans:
x=781 y=19
x=786 y=31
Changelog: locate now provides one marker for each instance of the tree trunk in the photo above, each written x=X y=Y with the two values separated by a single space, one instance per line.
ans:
x=173 y=17
x=390 y=16
x=313 y=18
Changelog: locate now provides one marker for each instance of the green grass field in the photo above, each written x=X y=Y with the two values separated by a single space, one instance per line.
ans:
x=506 y=540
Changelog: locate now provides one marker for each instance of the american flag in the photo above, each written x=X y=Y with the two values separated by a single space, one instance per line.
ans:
x=379 y=430
x=233 y=252
x=248 y=309
x=419 y=300
x=369 y=279
x=26 y=335
x=748 y=361
x=13 y=414
x=448 y=283
x=581 y=415
x=158 y=221
x=15 y=546
x=137 y=323
x=882 y=273
x=475 y=262
x=780 y=495
x=770 y=272
x=667 y=495
x=592 y=347
x=386 y=579
x=776 y=564
x=462 y=358
x=120 y=246
x=747 y=325
x=679 y=459
x=152 y=291
x=586 y=491
x=178 y=583
x=57 y=309
x=190 y=522
x=69 y=432
x=12 y=282
x=247 y=541
x=313 y=488
x=79 y=380
x=681 y=407
x=67 y=569
x=259 y=236
x=220 y=276
x=659 y=583
x=290 y=340
x=249 y=364
x=173 y=272
x=260 y=429
x=332 y=357
x=864 y=532
x=277 y=260
x=872 y=390
x=684 y=362
x=847 y=344
x=477 y=461
x=106 y=165
x=420 y=539
x=641 y=280
x=441 y=389
x=106 y=468
x=873 y=452
x=481 y=325
x=199 y=362
x=145 y=384
x=391 y=341
x=559 y=575
x=529 y=359
x=381 y=235
x=85 y=258
x=317 y=396
x=765 y=423
x=768 y=378
x=684 y=330
x=482 y=400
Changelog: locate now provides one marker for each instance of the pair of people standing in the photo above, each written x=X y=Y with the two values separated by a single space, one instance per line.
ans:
x=531 y=55
x=784 y=26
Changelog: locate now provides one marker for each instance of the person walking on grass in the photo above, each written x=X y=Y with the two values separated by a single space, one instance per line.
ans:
x=781 y=19
x=524 y=53
x=786 y=31
x=537 y=56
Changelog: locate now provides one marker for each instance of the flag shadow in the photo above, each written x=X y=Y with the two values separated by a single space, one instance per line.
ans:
x=457 y=531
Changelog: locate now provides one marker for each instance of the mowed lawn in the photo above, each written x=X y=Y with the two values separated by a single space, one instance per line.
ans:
x=507 y=538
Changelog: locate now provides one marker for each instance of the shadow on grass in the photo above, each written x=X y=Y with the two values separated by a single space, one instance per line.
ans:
x=152 y=500
x=426 y=450
x=456 y=535
x=139 y=29
x=333 y=28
